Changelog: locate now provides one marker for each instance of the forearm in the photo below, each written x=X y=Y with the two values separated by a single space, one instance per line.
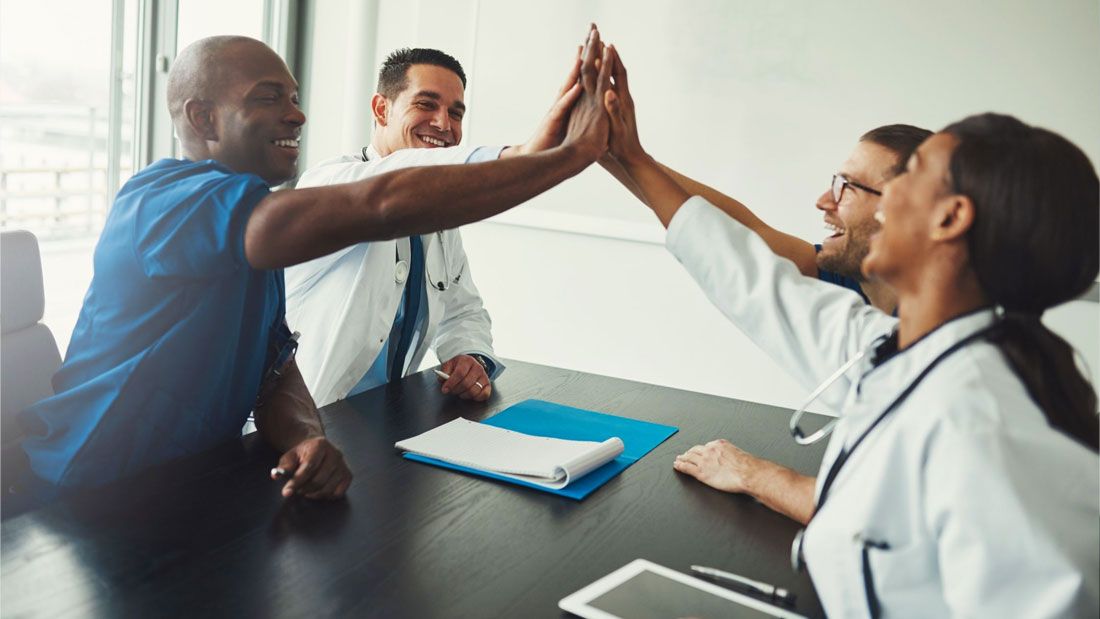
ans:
x=620 y=174
x=782 y=489
x=288 y=415
x=656 y=188
x=294 y=226
x=791 y=247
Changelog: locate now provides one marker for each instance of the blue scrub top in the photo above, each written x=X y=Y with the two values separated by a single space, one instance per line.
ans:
x=841 y=280
x=174 y=336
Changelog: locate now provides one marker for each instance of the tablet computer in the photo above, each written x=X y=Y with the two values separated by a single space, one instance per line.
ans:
x=644 y=590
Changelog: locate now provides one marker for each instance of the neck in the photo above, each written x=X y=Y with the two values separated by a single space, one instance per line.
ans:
x=932 y=303
x=881 y=296
x=376 y=144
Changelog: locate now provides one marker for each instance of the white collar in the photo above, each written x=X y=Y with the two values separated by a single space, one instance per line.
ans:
x=902 y=367
x=370 y=153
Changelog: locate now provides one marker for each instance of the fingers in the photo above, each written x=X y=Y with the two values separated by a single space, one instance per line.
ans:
x=458 y=372
x=565 y=102
x=619 y=73
x=485 y=394
x=687 y=466
x=613 y=105
x=574 y=73
x=607 y=64
x=448 y=366
x=305 y=471
x=592 y=51
x=288 y=464
x=475 y=382
x=321 y=471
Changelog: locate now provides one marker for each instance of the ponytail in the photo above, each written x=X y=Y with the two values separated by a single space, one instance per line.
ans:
x=1044 y=363
x=1034 y=244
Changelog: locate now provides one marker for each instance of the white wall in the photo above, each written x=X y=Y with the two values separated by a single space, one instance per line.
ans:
x=761 y=99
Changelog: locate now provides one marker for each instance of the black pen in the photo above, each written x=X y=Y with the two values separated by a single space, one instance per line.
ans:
x=755 y=586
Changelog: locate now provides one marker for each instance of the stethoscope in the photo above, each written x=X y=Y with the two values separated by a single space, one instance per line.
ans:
x=798 y=561
x=401 y=269
x=796 y=432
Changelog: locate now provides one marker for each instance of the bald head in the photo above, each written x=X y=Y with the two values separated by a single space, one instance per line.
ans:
x=233 y=99
x=206 y=67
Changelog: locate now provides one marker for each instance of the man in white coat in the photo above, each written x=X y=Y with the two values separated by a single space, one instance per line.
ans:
x=369 y=313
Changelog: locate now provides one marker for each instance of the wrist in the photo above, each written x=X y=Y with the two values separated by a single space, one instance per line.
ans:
x=754 y=471
x=636 y=160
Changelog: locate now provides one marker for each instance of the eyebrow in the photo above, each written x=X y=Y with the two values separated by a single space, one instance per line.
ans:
x=279 y=86
x=854 y=178
x=431 y=94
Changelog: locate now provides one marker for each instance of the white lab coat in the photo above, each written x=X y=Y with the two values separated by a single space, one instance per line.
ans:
x=344 y=304
x=987 y=510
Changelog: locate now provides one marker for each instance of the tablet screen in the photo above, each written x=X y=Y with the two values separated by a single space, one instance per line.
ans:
x=648 y=595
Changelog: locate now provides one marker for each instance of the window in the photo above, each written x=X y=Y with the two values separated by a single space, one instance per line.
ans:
x=82 y=107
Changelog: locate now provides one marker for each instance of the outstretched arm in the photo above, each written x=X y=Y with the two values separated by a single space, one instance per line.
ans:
x=626 y=152
x=293 y=226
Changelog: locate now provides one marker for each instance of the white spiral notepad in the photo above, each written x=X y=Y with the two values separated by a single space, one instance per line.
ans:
x=548 y=462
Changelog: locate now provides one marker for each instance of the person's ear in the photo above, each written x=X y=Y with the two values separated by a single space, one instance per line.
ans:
x=200 y=117
x=953 y=217
x=379 y=107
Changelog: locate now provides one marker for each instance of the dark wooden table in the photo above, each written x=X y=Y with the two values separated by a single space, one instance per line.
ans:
x=211 y=536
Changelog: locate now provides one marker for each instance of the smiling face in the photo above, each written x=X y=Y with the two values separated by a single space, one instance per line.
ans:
x=910 y=214
x=257 y=123
x=426 y=114
x=850 y=221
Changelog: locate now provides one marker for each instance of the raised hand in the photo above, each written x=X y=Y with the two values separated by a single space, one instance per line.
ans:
x=623 y=145
x=588 y=123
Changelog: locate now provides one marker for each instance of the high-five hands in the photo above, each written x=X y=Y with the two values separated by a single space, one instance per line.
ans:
x=623 y=143
x=588 y=127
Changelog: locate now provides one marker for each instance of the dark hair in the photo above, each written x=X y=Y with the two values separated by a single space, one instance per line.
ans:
x=1034 y=243
x=393 y=77
x=902 y=140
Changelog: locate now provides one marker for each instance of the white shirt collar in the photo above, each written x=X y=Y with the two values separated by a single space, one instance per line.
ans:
x=371 y=153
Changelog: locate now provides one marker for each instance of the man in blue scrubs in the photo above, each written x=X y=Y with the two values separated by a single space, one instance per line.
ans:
x=182 y=332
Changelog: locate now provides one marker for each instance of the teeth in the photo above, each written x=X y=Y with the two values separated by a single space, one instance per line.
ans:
x=834 y=229
x=292 y=143
x=432 y=141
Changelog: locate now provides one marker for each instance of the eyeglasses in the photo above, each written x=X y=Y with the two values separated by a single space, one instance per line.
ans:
x=840 y=182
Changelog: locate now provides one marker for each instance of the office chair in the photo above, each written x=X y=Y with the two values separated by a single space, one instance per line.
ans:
x=28 y=351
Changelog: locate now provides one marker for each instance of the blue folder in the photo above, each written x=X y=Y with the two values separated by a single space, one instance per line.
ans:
x=540 y=418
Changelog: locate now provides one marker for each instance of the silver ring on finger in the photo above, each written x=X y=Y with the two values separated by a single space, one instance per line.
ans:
x=479 y=385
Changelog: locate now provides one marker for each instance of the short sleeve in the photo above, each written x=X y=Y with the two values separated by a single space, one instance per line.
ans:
x=194 y=226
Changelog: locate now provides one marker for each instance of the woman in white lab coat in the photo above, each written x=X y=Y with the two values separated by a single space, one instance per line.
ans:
x=962 y=477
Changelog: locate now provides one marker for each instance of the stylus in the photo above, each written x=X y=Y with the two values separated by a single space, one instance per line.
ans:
x=756 y=586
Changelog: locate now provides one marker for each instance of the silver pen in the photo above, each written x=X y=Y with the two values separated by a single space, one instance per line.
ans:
x=756 y=586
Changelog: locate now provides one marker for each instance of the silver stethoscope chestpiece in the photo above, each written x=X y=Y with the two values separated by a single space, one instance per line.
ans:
x=401 y=271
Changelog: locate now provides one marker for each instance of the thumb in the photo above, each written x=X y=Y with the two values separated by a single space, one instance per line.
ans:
x=613 y=105
x=289 y=463
x=448 y=366
x=566 y=101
